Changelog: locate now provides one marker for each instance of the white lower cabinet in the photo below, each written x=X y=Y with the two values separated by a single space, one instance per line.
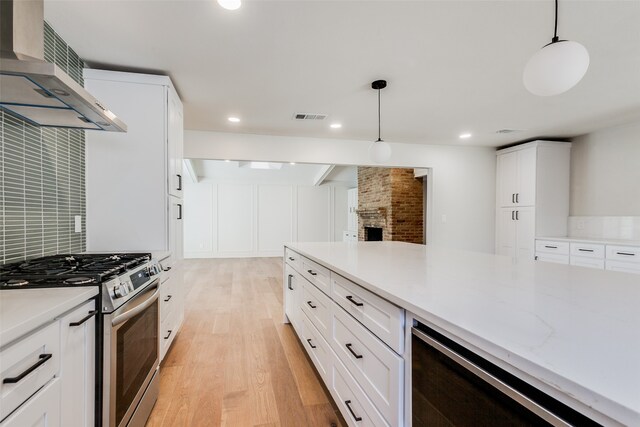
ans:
x=354 y=339
x=590 y=254
x=77 y=370
x=171 y=305
x=354 y=405
x=41 y=410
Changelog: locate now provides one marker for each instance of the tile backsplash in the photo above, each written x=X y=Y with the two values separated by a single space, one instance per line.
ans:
x=605 y=227
x=42 y=183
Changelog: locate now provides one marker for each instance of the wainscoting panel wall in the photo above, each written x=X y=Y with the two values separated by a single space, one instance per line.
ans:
x=224 y=220
x=42 y=186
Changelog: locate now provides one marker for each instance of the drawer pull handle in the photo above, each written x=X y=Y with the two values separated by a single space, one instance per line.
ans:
x=585 y=250
x=84 y=319
x=355 y=417
x=626 y=253
x=356 y=355
x=312 y=273
x=311 y=305
x=289 y=282
x=292 y=259
x=43 y=358
x=311 y=345
x=550 y=247
x=168 y=298
x=168 y=335
x=167 y=269
x=357 y=304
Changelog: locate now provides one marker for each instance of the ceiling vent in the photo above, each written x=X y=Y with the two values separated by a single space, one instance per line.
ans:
x=508 y=130
x=309 y=116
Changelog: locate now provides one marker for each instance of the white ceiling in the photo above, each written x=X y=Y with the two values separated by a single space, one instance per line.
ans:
x=452 y=66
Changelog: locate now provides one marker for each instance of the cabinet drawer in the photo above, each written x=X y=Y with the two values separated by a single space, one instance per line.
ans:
x=42 y=409
x=377 y=369
x=40 y=350
x=317 y=306
x=588 y=250
x=384 y=319
x=167 y=265
x=552 y=247
x=318 y=349
x=558 y=259
x=167 y=333
x=356 y=408
x=587 y=262
x=626 y=267
x=293 y=259
x=167 y=298
x=316 y=274
x=623 y=253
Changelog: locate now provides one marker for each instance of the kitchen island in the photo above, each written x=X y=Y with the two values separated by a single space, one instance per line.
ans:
x=572 y=332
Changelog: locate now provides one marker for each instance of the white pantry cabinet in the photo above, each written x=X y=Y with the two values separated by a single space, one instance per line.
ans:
x=532 y=195
x=352 y=209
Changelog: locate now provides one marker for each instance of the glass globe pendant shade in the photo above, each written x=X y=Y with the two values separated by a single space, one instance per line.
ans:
x=556 y=68
x=379 y=151
x=230 y=4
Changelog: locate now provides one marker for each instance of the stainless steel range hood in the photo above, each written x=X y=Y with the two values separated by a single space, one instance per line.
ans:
x=38 y=91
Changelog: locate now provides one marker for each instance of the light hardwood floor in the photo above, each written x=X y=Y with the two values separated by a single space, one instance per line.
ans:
x=235 y=363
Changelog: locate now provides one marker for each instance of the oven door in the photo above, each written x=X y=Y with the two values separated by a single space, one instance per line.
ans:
x=131 y=355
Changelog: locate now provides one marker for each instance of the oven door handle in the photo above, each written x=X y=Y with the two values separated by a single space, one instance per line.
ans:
x=121 y=318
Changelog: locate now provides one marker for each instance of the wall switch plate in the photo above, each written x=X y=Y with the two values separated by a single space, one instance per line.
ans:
x=78 y=223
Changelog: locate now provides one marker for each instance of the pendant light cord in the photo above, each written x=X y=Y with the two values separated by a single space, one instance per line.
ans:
x=379 y=116
x=555 y=29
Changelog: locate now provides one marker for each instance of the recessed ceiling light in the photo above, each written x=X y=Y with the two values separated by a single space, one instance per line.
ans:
x=335 y=125
x=465 y=135
x=233 y=119
x=227 y=161
x=230 y=4
x=292 y=163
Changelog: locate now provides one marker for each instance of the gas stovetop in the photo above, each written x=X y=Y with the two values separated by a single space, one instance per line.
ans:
x=69 y=270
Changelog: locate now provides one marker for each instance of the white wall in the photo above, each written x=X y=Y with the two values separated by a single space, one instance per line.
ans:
x=605 y=172
x=256 y=219
x=463 y=178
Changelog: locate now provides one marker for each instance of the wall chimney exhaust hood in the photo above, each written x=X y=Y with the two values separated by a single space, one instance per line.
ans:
x=37 y=91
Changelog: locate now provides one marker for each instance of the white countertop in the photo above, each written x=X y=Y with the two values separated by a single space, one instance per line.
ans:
x=574 y=331
x=23 y=310
x=596 y=240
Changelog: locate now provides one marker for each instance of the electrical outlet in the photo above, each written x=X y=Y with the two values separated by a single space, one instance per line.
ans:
x=78 y=223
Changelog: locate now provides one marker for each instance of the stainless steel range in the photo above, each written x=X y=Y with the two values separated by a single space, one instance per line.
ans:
x=127 y=358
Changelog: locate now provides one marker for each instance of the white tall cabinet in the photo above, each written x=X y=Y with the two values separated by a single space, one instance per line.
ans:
x=134 y=179
x=532 y=194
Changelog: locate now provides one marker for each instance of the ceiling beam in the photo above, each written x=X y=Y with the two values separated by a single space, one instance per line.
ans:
x=191 y=171
x=323 y=174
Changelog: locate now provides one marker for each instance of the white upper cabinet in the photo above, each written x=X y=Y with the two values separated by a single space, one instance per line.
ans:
x=532 y=195
x=134 y=179
x=517 y=178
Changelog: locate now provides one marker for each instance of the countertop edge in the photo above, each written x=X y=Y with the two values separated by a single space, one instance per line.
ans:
x=31 y=323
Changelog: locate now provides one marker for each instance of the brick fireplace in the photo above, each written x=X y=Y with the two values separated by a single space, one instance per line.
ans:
x=390 y=199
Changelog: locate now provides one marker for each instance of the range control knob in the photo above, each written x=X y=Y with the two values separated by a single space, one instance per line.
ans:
x=120 y=290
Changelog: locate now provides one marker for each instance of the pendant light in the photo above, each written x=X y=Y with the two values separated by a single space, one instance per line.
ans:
x=230 y=4
x=557 y=67
x=379 y=151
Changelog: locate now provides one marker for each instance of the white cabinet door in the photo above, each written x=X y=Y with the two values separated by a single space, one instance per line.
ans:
x=526 y=187
x=293 y=289
x=176 y=231
x=174 y=143
x=507 y=178
x=41 y=410
x=525 y=232
x=506 y=243
x=77 y=368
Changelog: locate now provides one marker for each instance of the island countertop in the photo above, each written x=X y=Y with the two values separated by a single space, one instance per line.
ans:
x=23 y=310
x=574 y=330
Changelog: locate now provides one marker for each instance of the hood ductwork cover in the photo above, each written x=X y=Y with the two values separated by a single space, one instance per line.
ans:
x=38 y=91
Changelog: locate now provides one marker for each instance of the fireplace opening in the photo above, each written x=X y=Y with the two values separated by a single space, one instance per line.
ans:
x=373 y=234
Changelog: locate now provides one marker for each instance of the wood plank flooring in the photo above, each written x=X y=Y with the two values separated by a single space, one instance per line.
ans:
x=235 y=363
